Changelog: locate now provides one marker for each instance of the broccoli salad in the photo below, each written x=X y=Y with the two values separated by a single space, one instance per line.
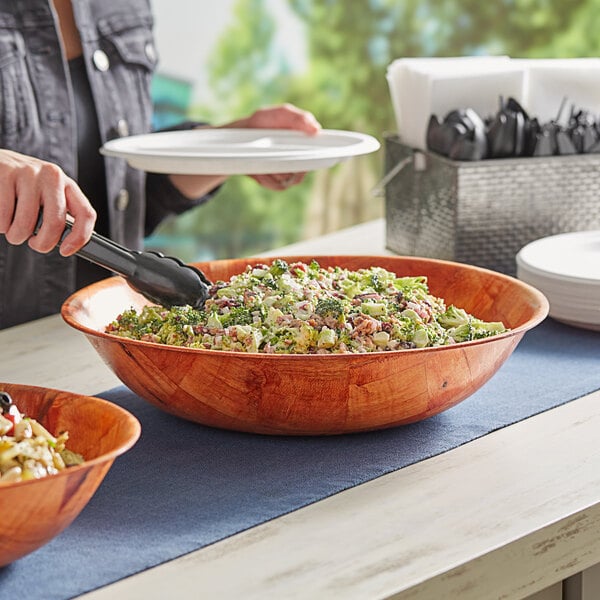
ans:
x=303 y=308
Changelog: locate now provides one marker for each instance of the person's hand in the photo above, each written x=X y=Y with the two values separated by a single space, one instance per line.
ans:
x=29 y=185
x=284 y=116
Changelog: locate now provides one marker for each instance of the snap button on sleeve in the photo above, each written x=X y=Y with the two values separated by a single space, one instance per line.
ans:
x=122 y=128
x=150 y=52
x=100 y=60
x=122 y=200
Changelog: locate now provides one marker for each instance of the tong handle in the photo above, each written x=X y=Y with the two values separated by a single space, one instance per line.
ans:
x=161 y=279
x=106 y=253
x=101 y=251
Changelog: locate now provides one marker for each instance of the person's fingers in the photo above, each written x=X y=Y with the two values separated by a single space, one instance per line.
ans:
x=84 y=219
x=287 y=116
x=51 y=206
x=295 y=179
x=284 y=116
x=7 y=202
x=27 y=203
x=30 y=188
x=269 y=182
x=279 y=181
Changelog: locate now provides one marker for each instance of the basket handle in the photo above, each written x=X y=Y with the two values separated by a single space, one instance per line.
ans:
x=419 y=161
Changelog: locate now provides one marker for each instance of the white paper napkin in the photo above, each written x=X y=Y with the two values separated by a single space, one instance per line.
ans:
x=549 y=81
x=420 y=87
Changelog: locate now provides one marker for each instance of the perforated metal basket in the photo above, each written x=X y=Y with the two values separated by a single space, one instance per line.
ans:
x=484 y=212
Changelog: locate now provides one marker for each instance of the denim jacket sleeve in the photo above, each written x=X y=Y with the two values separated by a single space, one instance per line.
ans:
x=163 y=199
x=37 y=118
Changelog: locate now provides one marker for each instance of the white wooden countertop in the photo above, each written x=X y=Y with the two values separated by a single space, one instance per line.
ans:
x=503 y=516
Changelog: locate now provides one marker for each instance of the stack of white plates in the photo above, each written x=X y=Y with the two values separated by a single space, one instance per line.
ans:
x=566 y=269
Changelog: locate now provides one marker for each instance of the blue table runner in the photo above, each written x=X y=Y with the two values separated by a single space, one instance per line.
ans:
x=184 y=486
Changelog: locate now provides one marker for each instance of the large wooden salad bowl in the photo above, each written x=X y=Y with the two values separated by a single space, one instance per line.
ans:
x=35 y=511
x=315 y=394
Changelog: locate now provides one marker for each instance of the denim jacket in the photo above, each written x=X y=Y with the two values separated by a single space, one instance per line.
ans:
x=37 y=117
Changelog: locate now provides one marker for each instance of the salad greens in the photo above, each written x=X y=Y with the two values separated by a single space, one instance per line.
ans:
x=306 y=309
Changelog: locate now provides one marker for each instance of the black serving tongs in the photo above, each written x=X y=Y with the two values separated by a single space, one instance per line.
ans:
x=164 y=280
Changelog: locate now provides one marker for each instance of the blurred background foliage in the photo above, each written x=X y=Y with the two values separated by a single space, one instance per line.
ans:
x=350 y=45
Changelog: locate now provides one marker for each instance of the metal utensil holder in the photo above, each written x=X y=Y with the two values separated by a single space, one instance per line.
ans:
x=483 y=212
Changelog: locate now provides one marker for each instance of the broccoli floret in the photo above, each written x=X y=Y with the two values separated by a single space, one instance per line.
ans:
x=186 y=315
x=410 y=286
x=269 y=281
x=475 y=329
x=453 y=317
x=376 y=283
x=330 y=307
x=128 y=319
x=148 y=321
x=279 y=267
x=314 y=266
x=239 y=315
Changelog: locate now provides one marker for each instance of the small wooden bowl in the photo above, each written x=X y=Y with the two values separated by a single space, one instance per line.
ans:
x=315 y=394
x=35 y=511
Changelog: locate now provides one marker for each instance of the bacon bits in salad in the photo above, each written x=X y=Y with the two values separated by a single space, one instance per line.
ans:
x=27 y=449
x=306 y=309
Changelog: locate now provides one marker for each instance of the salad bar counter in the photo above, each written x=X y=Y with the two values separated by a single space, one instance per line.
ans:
x=508 y=509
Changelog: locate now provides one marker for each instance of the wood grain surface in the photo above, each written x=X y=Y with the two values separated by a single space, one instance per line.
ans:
x=315 y=394
x=35 y=511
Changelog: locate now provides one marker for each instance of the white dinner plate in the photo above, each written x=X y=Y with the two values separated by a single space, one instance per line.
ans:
x=239 y=151
x=566 y=269
x=565 y=257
